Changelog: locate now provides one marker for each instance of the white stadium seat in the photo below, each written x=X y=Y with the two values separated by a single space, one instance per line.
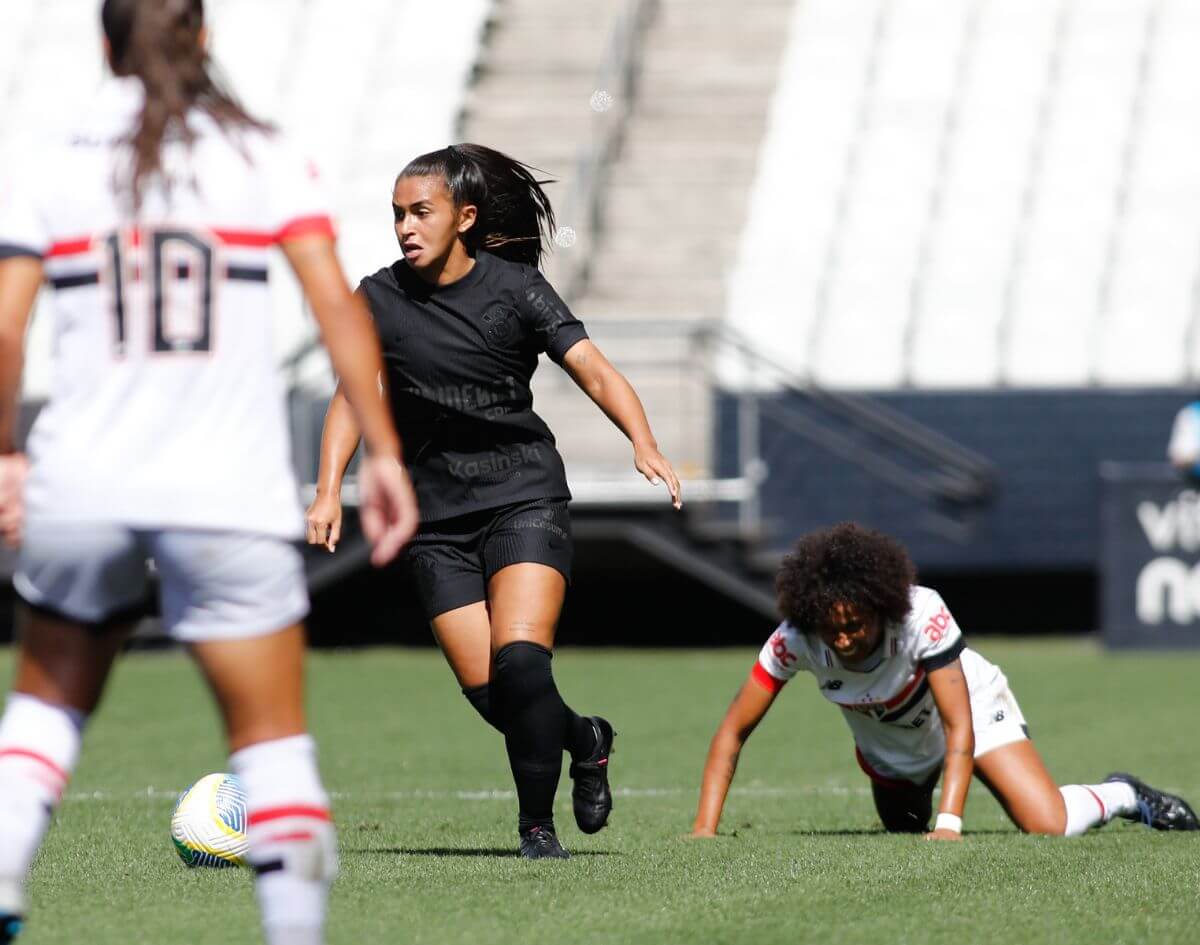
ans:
x=1018 y=204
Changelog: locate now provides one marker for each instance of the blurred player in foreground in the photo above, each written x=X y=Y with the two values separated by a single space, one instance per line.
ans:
x=462 y=317
x=917 y=700
x=165 y=436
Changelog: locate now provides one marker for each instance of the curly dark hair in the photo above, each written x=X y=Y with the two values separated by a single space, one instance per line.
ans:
x=846 y=564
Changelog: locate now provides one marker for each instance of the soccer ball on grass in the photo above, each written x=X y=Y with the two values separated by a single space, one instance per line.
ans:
x=208 y=825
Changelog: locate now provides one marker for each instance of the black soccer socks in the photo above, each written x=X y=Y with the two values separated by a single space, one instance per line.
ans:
x=534 y=720
x=480 y=698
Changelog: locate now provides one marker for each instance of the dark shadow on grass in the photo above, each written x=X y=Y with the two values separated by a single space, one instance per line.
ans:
x=465 y=851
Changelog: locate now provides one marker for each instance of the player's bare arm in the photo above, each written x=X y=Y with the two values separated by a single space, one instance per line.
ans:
x=748 y=708
x=612 y=393
x=388 y=506
x=953 y=700
x=20 y=279
x=340 y=437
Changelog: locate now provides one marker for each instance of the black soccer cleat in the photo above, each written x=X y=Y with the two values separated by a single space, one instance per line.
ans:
x=540 y=843
x=10 y=928
x=591 y=796
x=1156 y=808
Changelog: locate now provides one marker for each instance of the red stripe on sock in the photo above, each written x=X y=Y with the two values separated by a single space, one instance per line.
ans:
x=278 y=813
x=76 y=246
x=1103 y=809
x=34 y=756
x=296 y=836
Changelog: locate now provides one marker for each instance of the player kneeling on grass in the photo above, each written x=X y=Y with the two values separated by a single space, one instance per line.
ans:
x=917 y=699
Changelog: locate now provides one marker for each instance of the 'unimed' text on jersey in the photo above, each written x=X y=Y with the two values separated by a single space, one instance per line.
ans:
x=889 y=707
x=166 y=409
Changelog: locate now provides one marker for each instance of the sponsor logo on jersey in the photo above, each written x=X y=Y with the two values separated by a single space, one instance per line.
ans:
x=496 y=464
x=937 y=626
x=832 y=685
x=778 y=645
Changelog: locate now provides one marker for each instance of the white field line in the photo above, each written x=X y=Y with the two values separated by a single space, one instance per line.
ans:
x=495 y=794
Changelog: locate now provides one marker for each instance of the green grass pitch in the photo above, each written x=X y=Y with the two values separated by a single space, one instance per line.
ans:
x=427 y=818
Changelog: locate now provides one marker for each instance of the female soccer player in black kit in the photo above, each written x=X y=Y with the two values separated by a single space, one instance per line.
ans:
x=462 y=318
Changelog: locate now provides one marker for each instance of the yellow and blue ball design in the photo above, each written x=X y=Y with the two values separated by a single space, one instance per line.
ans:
x=208 y=825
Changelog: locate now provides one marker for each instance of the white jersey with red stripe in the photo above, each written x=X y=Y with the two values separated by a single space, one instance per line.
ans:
x=888 y=703
x=166 y=409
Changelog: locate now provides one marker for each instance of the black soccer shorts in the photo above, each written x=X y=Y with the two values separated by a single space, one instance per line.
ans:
x=452 y=560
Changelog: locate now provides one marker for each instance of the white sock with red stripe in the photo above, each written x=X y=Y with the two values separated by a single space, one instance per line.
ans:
x=1089 y=805
x=39 y=745
x=293 y=846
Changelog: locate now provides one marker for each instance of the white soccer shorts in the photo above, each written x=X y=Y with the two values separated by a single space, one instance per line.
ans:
x=215 y=585
x=997 y=720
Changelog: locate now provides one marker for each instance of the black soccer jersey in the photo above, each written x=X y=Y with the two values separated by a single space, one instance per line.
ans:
x=459 y=359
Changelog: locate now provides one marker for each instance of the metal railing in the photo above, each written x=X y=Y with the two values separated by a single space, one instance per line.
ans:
x=948 y=479
x=611 y=103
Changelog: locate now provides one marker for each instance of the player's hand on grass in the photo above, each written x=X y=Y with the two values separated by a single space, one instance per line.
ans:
x=387 y=506
x=13 y=469
x=942 y=833
x=323 y=521
x=657 y=468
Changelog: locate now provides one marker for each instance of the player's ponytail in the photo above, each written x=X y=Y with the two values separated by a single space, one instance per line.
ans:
x=159 y=42
x=515 y=215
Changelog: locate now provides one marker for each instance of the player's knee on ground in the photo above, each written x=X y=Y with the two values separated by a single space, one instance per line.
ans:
x=903 y=810
x=1048 y=816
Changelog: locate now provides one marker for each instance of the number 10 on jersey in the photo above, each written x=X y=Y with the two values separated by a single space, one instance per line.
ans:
x=171 y=273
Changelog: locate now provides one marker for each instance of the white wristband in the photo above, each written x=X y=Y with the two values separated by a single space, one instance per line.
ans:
x=948 y=822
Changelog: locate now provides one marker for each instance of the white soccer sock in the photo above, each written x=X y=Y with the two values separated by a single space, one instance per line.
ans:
x=1091 y=804
x=293 y=846
x=39 y=745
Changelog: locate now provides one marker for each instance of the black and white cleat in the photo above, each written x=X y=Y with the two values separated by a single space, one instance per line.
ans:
x=1156 y=808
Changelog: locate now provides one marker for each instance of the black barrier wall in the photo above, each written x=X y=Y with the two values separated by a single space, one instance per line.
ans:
x=1047 y=446
x=1149 y=557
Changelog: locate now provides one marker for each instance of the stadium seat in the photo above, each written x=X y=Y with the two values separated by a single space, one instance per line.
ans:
x=1016 y=203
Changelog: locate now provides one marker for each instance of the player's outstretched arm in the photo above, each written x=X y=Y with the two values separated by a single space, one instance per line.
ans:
x=612 y=393
x=339 y=440
x=744 y=713
x=388 y=505
x=953 y=700
x=20 y=279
